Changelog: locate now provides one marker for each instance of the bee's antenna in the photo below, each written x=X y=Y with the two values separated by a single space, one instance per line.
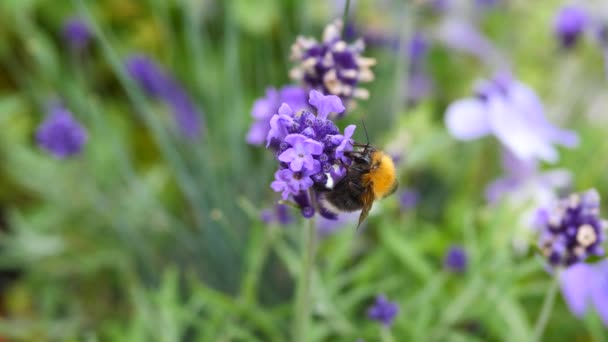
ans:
x=366 y=136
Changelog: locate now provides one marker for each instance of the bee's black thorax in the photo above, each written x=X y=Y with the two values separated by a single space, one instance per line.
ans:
x=347 y=193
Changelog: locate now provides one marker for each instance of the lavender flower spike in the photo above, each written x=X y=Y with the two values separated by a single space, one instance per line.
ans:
x=60 y=134
x=160 y=85
x=310 y=151
x=512 y=112
x=332 y=66
x=383 y=311
x=264 y=108
x=571 y=229
x=77 y=33
x=570 y=22
x=456 y=259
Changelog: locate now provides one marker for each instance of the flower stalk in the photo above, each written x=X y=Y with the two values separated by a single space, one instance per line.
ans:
x=545 y=313
x=303 y=291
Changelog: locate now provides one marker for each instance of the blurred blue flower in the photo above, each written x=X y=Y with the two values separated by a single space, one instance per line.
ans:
x=602 y=36
x=332 y=66
x=571 y=229
x=462 y=35
x=77 y=33
x=419 y=84
x=326 y=226
x=383 y=311
x=408 y=199
x=158 y=84
x=484 y=4
x=307 y=149
x=280 y=214
x=417 y=47
x=584 y=284
x=60 y=134
x=456 y=259
x=570 y=22
x=523 y=180
x=512 y=112
x=264 y=108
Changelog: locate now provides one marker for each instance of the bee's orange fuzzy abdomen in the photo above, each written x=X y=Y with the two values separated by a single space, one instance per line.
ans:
x=383 y=176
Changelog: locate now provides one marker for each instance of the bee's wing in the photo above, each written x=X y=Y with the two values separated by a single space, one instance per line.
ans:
x=368 y=199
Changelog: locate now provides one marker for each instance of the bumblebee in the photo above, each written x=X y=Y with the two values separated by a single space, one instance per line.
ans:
x=370 y=176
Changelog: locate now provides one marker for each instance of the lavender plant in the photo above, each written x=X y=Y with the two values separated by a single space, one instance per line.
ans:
x=112 y=227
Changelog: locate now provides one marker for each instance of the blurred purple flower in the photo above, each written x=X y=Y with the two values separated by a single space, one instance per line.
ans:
x=280 y=214
x=602 y=35
x=158 y=84
x=383 y=311
x=512 y=112
x=264 y=108
x=571 y=229
x=570 y=22
x=485 y=4
x=77 y=33
x=266 y=216
x=326 y=227
x=584 y=284
x=419 y=84
x=524 y=176
x=439 y=5
x=409 y=199
x=418 y=47
x=60 y=134
x=456 y=259
x=332 y=66
x=463 y=36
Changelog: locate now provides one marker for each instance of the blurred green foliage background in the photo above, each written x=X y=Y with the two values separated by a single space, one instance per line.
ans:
x=146 y=236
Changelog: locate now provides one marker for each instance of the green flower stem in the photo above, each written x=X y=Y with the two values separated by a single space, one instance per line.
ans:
x=303 y=298
x=386 y=335
x=545 y=312
x=345 y=15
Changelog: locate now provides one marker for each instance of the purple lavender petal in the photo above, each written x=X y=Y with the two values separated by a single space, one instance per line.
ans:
x=325 y=104
x=257 y=133
x=60 y=134
x=570 y=22
x=265 y=107
x=467 y=119
x=278 y=125
x=282 y=183
x=346 y=143
x=516 y=133
x=576 y=287
x=525 y=100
